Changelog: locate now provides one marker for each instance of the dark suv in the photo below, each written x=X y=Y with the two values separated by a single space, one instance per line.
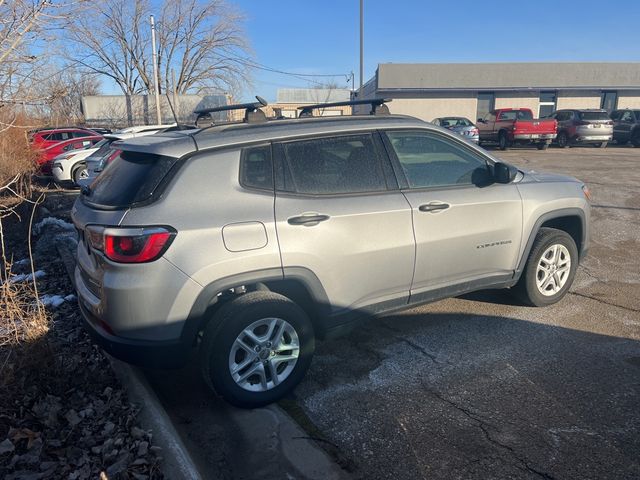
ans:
x=583 y=127
x=626 y=126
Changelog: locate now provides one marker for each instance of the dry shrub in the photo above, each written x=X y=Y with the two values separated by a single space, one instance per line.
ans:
x=17 y=158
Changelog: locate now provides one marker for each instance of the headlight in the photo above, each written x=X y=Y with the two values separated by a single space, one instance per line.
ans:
x=586 y=192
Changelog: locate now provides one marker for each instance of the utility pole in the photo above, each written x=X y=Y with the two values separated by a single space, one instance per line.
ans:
x=155 y=69
x=361 y=46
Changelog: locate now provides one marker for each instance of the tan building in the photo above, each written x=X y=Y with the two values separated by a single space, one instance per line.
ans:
x=289 y=100
x=428 y=91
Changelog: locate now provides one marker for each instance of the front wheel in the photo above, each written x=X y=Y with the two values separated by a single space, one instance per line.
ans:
x=256 y=349
x=80 y=173
x=550 y=268
x=635 y=139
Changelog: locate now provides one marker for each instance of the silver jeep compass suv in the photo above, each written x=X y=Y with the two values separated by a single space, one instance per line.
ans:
x=249 y=240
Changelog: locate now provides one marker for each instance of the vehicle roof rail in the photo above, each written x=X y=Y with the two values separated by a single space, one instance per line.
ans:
x=252 y=114
x=378 y=106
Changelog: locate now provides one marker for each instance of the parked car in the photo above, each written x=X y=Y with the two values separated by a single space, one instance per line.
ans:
x=46 y=155
x=69 y=167
x=460 y=125
x=45 y=138
x=249 y=241
x=626 y=126
x=583 y=127
x=509 y=126
x=96 y=162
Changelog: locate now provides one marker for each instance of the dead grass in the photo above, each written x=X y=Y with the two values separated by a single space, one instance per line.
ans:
x=17 y=158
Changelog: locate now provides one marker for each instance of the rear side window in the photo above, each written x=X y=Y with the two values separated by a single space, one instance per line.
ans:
x=333 y=165
x=129 y=179
x=256 y=170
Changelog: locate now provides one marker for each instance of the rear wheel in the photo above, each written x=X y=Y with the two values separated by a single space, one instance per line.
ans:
x=503 y=140
x=256 y=349
x=542 y=146
x=550 y=268
x=563 y=140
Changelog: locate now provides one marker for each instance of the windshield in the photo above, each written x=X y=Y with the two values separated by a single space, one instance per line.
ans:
x=594 y=116
x=456 y=122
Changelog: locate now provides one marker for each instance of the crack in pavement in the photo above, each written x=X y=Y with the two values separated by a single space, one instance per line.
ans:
x=414 y=345
x=525 y=466
x=584 y=295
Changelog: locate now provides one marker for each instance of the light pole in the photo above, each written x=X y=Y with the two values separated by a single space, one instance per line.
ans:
x=361 y=46
x=155 y=69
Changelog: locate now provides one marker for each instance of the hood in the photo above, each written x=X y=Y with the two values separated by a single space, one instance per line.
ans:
x=534 y=176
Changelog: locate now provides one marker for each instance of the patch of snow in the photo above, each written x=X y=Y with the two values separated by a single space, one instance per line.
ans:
x=26 y=277
x=70 y=298
x=52 y=300
x=53 y=221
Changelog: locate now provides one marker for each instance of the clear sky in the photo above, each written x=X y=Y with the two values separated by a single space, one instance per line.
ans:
x=321 y=37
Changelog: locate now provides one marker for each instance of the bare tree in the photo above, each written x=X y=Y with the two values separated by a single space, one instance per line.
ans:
x=201 y=41
x=64 y=91
x=111 y=39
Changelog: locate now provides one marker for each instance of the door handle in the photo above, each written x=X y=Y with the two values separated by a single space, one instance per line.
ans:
x=433 y=207
x=309 y=219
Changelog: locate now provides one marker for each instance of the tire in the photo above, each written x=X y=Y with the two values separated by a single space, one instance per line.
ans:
x=563 y=140
x=503 y=140
x=528 y=289
x=542 y=146
x=255 y=312
x=79 y=173
x=635 y=139
x=602 y=144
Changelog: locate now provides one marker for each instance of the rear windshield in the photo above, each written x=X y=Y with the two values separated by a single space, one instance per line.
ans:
x=455 y=122
x=594 y=116
x=129 y=179
x=516 y=115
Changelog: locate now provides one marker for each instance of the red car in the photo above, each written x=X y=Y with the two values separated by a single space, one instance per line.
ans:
x=46 y=155
x=51 y=136
x=509 y=126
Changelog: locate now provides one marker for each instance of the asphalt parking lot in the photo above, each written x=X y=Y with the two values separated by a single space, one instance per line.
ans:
x=480 y=386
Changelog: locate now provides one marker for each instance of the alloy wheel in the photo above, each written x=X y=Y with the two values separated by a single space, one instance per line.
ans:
x=264 y=354
x=553 y=270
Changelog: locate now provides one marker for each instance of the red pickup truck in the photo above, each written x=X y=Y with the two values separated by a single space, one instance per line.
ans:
x=508 y=126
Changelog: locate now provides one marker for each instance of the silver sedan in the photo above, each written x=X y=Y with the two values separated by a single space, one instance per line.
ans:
x=460 y=125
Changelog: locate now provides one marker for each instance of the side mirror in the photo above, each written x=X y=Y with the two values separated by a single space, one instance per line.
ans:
x=480 y=120
x=504 y=173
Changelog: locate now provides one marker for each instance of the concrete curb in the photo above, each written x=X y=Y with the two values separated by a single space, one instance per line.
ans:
x=177 y=462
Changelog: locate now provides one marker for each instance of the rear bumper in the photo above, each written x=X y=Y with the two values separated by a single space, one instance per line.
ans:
x=533 y=137
x=148 y=354
x=593 y=138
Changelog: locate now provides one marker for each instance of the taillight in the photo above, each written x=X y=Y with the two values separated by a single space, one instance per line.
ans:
x=113 y=156
x=130 y=245
x=474 y=131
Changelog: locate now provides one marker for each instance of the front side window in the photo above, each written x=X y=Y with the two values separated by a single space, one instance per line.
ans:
x=332 y=165
x=430 y=160
x=255 y=168
x=80 y=133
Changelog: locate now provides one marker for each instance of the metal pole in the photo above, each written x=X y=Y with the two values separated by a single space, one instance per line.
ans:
x=155 y=69
x=361 y=45
x=175 y=92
